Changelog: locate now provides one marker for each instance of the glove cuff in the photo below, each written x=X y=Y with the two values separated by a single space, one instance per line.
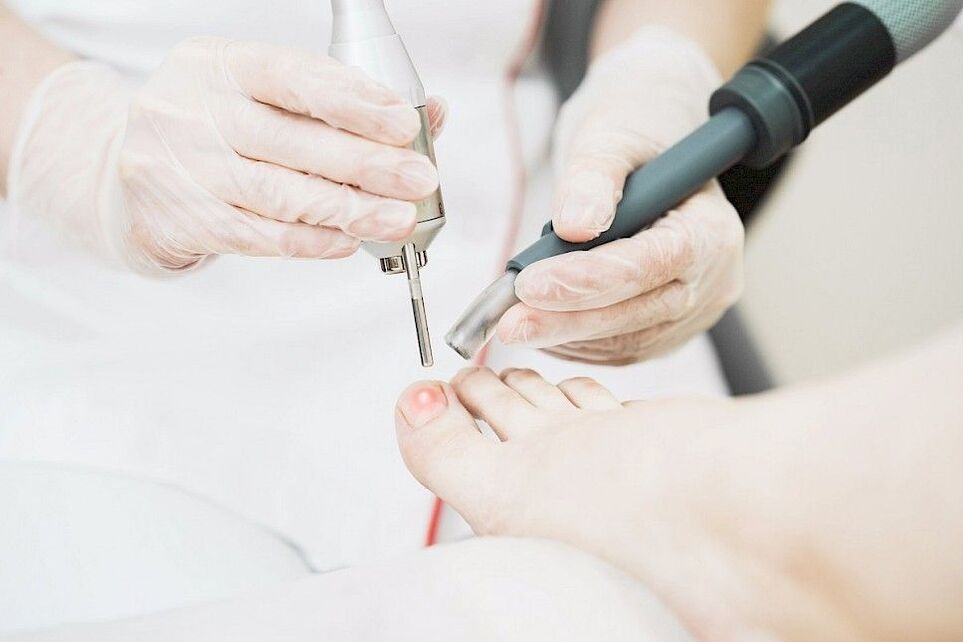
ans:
x=654 y=54
x=657 y=45
x=63 y=167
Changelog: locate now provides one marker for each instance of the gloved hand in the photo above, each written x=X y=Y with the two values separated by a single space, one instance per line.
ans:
x=634 y=298
x=229 y=148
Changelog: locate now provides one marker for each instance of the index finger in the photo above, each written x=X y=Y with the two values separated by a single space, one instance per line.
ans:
x=677 y=247
x=607 y=274
x=321 y=87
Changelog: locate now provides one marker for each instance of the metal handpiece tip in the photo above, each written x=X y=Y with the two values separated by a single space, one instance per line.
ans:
x=462 y=351
x=421 y=327
x=410 y=256
x=477 y=325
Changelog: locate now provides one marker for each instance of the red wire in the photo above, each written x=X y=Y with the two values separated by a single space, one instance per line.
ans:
x=511 y=76
x=431 y=535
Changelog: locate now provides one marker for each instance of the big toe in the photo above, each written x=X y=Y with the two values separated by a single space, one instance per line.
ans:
x=441 y=444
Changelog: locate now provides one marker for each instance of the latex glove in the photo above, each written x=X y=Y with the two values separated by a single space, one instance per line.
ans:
x=229 y=148
x=639 y=297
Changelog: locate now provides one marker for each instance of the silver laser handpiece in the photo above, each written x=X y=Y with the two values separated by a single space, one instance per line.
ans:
x=363 y=36
x=410 y=258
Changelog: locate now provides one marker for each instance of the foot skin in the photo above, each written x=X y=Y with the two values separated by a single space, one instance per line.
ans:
x=662 y=489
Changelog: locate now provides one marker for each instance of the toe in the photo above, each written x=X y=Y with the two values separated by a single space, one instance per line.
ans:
x=588 y=394
x=538 y=392
x=441 y=444
x=488 y=398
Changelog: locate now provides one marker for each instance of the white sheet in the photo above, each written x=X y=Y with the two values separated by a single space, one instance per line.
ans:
x=85 y=547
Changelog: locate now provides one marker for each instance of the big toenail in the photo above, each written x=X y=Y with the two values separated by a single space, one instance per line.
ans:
x=423 y=403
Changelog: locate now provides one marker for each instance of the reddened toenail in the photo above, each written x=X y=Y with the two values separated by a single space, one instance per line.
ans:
x=422 y=403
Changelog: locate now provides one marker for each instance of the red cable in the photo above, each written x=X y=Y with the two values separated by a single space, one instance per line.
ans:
x=514 y=70
x=431 y=535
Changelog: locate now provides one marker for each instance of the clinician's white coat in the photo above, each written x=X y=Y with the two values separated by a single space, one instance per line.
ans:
x=268 y=386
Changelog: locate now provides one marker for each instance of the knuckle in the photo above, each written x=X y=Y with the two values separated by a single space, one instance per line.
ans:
x=639 y=345
x=297 y=245
x=241 y=241
x=393 y=162
x=359 y=167
x=249 y=113
x=336 y=106
x=242 y=238
x=266 y=128
x=259 y=186
x=255 y=179
x=678 y=301
x=579 y=382
x=641 y=315
x=684 y=245
x=350 y=248
x=518 y=375
x=334 y=207
x=668 y=251
x=475 y=375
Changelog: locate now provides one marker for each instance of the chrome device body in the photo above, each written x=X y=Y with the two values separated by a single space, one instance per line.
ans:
x=363 y=36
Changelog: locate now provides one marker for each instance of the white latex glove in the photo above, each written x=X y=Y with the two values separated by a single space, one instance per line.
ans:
x=229 y=148
x=634 y=298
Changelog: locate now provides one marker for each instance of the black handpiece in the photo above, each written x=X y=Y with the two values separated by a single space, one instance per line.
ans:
x=769 y=107
x=659 y=186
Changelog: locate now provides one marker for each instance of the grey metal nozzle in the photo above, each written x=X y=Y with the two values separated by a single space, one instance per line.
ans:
x=410 y=258
x=477 y=325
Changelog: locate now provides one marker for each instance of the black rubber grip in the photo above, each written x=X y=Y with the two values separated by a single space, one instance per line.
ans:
x=768 y=108
x=661 y=184
x=833 y=61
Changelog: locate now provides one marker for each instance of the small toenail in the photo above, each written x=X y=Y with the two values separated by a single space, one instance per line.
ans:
x=422 y=404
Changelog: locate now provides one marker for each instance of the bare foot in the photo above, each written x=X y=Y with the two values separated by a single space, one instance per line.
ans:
x=667 y=490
